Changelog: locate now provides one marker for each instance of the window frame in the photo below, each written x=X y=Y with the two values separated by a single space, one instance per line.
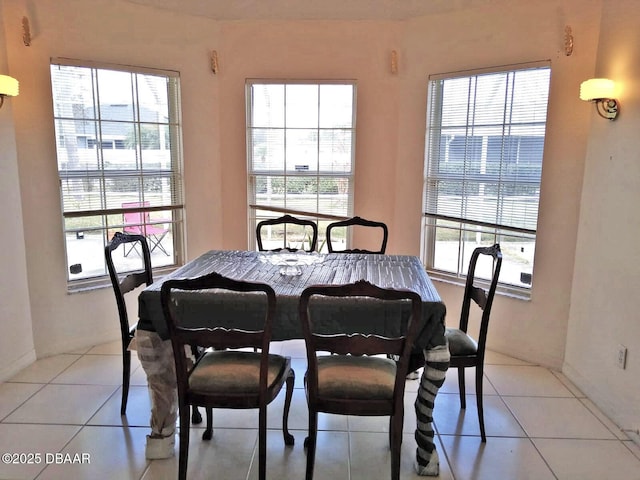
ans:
x=257 y=211
x=173 y=176
x=465 y=226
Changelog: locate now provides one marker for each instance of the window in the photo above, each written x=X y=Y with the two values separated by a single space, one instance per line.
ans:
x=483 y=163
x=119 y=162
x=300 y=149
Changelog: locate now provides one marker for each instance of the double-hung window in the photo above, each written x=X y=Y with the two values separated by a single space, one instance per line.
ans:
x=483 y=163
x=300 y=151
x=118 y=142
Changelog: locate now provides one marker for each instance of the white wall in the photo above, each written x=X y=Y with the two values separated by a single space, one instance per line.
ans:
x=16 y=341
x=389 y=148
x=606 y=281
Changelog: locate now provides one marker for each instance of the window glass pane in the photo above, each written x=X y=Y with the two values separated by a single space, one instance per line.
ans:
x=76 y=144
x=81 y=193
x=267 y=148
x=153 y=94
x=302 y=193
x=446 y=256
x=267 y=108
x=85 y=255
x=335 y=196
x=115 y=95
x=530 y=96
x=269 y=190
x=302 y=106
x=121 y=190
x=517 y=264
x=490 y=100
x=335 y=150
x=85 y=246
x=73 y=91
x=302 y=150
x=336 y=106
x=85 y=224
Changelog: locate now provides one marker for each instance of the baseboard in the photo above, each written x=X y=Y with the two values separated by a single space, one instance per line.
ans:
x=24 y=361
x=603 y=400
x=77 y=343
x=534 y=357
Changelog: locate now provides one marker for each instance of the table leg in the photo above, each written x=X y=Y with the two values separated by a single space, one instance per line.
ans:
x=156 y=358
x=435 y=369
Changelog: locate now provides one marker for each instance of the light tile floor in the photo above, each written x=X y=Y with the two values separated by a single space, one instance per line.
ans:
x=67 y=408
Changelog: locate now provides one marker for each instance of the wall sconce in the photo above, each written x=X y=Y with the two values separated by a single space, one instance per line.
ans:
x=8 y=87
x=600 y=91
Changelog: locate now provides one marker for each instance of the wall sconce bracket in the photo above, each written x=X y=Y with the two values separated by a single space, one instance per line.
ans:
x=607 y=108
x=600 y=91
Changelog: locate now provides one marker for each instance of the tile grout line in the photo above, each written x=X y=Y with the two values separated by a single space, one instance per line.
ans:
x=528 y=436
x=572 y=390
x=42 y=386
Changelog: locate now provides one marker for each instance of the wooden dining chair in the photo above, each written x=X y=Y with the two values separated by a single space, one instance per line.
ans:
x=123 y=282
x=464 y=349
x=308 y=233
x=358 y=378
x=358 y=222
x=129 y=282
x=225 y=377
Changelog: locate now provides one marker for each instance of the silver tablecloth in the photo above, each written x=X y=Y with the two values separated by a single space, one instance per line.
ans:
x=396 y=271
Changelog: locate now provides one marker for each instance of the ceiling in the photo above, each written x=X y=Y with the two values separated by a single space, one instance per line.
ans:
x=310 y=9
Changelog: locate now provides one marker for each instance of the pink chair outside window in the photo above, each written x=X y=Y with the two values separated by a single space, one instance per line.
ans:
x=138 y=223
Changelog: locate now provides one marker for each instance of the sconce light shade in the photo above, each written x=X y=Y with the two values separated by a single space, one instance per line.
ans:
x=9 y=86
x=596 y=88
x=601 y=91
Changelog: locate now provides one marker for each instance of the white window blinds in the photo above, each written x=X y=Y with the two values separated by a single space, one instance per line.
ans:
x=117 y=138
x=485 y=139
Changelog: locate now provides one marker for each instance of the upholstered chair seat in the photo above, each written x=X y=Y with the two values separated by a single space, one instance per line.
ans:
x=234 y=373
x=357 y=378
x=461 y=344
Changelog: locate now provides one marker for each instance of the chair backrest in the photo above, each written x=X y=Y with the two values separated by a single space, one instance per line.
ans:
x=215 y=322
x=283 y=220
x=323 y=331
x=131 y=280
x=358 y=221
x=482 y=298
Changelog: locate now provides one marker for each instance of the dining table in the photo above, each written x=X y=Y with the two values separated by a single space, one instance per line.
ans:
x=289 y=273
